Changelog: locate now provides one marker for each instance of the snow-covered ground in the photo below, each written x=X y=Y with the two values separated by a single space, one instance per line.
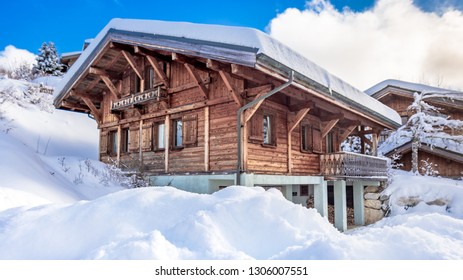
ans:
x=58 y=202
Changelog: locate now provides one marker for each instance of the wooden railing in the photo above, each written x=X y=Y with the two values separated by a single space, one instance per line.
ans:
x=351 y=165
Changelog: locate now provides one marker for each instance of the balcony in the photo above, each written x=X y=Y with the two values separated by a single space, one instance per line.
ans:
x=155 y=94
x=343 y=165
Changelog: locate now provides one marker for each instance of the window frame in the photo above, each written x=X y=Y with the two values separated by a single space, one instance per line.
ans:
x=125 y=140
x=112 y=143
x=307 y=135
x=155 y=133
x=174 y=124
x=270 y=140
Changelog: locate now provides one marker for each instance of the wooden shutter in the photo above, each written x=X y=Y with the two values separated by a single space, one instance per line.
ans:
x=134 y=139
x=147 y=137
x=104 y=142
x=256 y=129
x=190 y=129
x=317 y=140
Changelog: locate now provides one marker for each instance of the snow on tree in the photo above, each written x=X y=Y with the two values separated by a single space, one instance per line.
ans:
x=429 y=126
x=48 y=62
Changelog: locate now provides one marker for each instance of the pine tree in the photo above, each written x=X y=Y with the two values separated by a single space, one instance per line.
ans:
x=429 y=126
x=48 y=61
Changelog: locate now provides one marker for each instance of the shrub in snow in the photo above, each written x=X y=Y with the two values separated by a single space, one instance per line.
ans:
x=48 y=62
x=428 y=168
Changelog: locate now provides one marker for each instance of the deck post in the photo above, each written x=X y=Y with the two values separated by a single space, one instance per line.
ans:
x=288 y=192
x=340 y=205
x=321 y=198
x=359 y=210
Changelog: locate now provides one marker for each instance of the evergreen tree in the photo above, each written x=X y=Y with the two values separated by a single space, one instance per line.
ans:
x=429 y=126
x=48 y=62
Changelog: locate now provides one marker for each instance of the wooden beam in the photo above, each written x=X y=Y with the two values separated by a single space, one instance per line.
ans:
x=301 y=105
x=206 y=138
x=251 y=111
x=145 y=52
x=166 y=142
x=112 y=88
x=197 y=78
x=299 y=116
x=74 y=106
x=95 y=112
x=155 y=64
x=328 y=127
x=249 y=74
x=366 y=140
x=92 y=84
x=365 y=132
x=258 y=90
x=331 y=117
x=227 y=79
x=97 y=71
x=347 y=132
x=217 y=66
x=132 y=63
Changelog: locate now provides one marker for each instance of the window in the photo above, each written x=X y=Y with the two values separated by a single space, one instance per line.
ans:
x=112 y=142
x=268 y=130
x=304 y=190
x=177 y=133
x=404 y=119
x=158 y=131
x=134 y=83
x=330 y=143
x=306 y=138
x=149 y=77
x=125 y=140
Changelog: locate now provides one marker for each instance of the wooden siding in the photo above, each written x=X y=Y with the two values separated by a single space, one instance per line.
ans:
x=445 y=167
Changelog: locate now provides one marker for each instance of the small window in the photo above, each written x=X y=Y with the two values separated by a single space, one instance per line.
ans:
x=112 y=143
x=304 y=190
x=135 y=83
x=177 y=133
x=404 y=119
x=268 y=130
x=306 y=138
x=149 y=77
x=158 y=130
x=330 y=143
x=125 y=140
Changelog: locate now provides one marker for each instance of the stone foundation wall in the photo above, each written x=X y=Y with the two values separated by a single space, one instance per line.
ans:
x=376 y=204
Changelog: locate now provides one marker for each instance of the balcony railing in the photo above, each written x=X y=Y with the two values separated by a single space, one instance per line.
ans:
x=351 y=165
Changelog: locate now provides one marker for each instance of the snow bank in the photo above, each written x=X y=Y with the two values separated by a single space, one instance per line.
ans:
x=423 y=194
x=234 y=223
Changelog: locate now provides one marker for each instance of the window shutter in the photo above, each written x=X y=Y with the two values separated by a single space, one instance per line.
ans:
x=147 y=136
x=256 y=130
x=317 y=140
x=104 y=142
x=134 y=139
x=190 y=132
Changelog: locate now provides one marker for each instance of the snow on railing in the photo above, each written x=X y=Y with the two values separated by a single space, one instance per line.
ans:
x=343 y=164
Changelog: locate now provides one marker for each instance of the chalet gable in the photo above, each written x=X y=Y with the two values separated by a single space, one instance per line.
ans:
x=234 y=51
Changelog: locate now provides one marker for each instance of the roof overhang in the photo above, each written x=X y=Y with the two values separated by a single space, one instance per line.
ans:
x=251 y=56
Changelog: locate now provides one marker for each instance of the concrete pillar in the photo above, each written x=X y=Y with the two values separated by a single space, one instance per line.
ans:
x=359 y=210
x=321 y=198
x=288 y=192
x=340 y=205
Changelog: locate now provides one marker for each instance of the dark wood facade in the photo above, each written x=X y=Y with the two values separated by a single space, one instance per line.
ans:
x=162 y=111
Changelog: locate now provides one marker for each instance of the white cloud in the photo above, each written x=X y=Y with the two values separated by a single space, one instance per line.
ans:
x=394 y=39
x=12 y=58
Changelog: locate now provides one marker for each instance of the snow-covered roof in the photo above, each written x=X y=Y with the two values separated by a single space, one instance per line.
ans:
x=408 y=86
x=71 y=54
x=256 y=48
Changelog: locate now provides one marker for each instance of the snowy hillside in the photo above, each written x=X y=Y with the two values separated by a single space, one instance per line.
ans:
x=52 y=188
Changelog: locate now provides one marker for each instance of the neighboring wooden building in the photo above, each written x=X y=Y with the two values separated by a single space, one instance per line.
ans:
x=399 y=96
x=201 y=107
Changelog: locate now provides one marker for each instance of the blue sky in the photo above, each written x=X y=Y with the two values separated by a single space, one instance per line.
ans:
x=26 y=23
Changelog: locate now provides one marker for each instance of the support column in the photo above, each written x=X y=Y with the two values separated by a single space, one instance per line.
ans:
x=320 y=196
x=288 y=192
x=340 y=207
x=359 y=207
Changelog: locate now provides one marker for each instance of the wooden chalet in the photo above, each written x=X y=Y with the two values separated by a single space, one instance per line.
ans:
x=399 y=96
x=201 y=107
